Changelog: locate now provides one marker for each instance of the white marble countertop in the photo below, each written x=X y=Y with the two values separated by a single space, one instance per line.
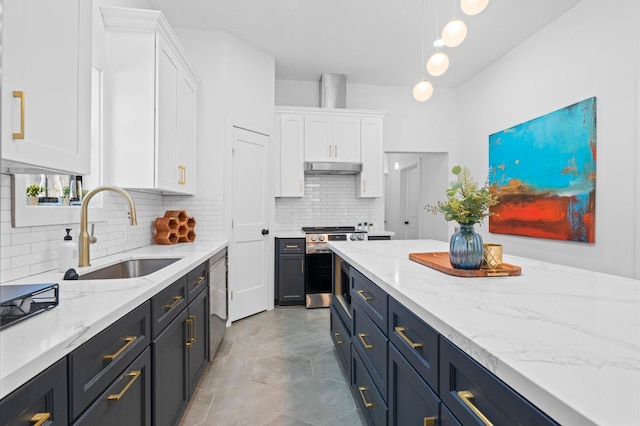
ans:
x=566 y=339
x=86 y=308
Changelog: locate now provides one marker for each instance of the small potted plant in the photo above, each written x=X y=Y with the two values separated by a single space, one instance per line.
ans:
x=33 y=191
x=467 y=204
x=65 y=195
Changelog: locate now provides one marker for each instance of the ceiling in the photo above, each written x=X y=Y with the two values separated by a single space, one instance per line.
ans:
x=372 y=41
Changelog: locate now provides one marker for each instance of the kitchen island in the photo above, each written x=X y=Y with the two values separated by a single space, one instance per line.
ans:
x=566 y=339
x=86 y=308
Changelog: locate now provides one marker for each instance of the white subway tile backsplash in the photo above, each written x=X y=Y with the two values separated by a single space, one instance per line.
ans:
x=32 y=250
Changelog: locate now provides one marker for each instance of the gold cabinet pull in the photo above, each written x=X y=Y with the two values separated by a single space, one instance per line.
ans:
x=191 y=323
x=176 y=299
x=361 y=336
x=361 y=389
x=338 y=339
x=329 y=151
x=364 y=296
x=400 y=331
x=20 y=95
x=39 y=419
x=429 y=421
x=335 y=151
x=182 y=180
x=199 y=281
x=133 y=377
x=292 y=246
x=466 y=397
x=129 y=341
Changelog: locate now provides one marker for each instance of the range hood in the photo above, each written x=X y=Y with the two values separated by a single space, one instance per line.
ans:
x=328 y=168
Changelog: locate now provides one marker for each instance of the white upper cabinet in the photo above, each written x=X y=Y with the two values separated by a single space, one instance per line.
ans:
x=290 y=179
x=153 y=104
x=370 y=183
x=46 y=85
x=332 y=138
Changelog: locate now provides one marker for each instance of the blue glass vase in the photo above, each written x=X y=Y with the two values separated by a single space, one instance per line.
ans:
x=465 y=248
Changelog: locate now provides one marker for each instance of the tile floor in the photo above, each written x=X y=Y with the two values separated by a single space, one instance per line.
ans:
x=275 y=368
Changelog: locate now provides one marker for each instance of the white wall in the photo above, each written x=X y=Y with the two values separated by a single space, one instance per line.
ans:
x=592 y=50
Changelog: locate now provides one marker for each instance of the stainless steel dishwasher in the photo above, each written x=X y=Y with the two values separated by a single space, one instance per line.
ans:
x=218 y=302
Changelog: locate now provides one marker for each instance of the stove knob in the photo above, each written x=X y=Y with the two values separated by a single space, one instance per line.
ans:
x=313 y=238
x=353 y=237
x=321 y=238
x=360 y=237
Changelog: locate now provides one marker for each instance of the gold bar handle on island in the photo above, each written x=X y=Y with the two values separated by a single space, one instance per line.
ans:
x=400 y=331
x=176 y=299
x=429 y=421
x=133 y=377
x=129 y=340
x=361 y=336
x=361 y=389
x=20 y=95
x=199 y=281
x=338 y=339
x=466 y=397
x=364 y=296
x=39 y=419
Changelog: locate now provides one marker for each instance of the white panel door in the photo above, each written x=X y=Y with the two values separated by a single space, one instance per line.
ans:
x=248 y=249
x=411 y=190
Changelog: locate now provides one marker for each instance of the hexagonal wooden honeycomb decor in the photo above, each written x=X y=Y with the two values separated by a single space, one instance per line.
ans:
x=174 y=227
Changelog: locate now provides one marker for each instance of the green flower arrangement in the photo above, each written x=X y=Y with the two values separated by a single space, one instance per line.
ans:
x=468 y=203
x=34 y=190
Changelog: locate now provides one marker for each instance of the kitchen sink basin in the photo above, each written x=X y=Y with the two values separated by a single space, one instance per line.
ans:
x=131 y=268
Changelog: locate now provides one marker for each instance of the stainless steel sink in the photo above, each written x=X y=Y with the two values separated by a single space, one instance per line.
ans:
x=131 y=268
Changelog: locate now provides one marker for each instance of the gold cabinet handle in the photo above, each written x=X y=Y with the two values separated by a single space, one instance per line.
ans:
x=39 y=419
x=335 y=151
x=294 y=246
x=20 y=95
x=338 y=339
x=191 y=323
x=183 y=175
x=199 y=281
x=361 y=389
x=466 y=397
x=176 y=299
x=429 y=421
x=364 y=296
x=302 y=267
x=133 y=377
x=400 y=331
x=129 y=340
x=329 y=151
x=361 y=336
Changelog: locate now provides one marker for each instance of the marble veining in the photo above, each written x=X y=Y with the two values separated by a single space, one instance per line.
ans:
x=86 y=308
x=566 y=339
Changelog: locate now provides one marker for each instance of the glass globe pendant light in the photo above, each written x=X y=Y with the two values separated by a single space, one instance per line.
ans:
x=454 y=33
x=438 y=64
x=423 y=90
x=473 y=7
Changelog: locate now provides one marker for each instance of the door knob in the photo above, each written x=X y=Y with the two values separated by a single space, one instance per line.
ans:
x=406 y=222
x=265 y=232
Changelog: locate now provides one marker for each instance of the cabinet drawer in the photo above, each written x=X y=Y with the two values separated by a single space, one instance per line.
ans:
x=416 y=340
x=98 y=362
x=291 y=245
x=470 y=391
x=167 y=304
x=372 y=346
x=341 y=337
x=127 y=401
x=366 y=394
x=197 y=279
x=411 y=400
x=45 y=394
x=371 y=297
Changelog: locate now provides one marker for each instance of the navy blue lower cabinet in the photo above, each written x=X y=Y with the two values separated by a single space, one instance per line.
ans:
x=372 y=344
x=477 y=397
x=341 y=338
x=411 y=400
x=366 y=394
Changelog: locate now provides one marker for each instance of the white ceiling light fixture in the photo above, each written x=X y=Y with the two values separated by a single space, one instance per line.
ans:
x=454 y=33
x=438 y=64
x=473 y=7
x=423 y=90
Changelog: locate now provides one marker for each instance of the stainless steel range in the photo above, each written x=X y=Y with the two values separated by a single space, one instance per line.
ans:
x=318 y=261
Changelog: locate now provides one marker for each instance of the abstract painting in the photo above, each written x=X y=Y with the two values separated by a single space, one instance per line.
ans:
x=544 y=172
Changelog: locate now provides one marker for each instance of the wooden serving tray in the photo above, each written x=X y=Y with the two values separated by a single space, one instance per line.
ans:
x=439 y=260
